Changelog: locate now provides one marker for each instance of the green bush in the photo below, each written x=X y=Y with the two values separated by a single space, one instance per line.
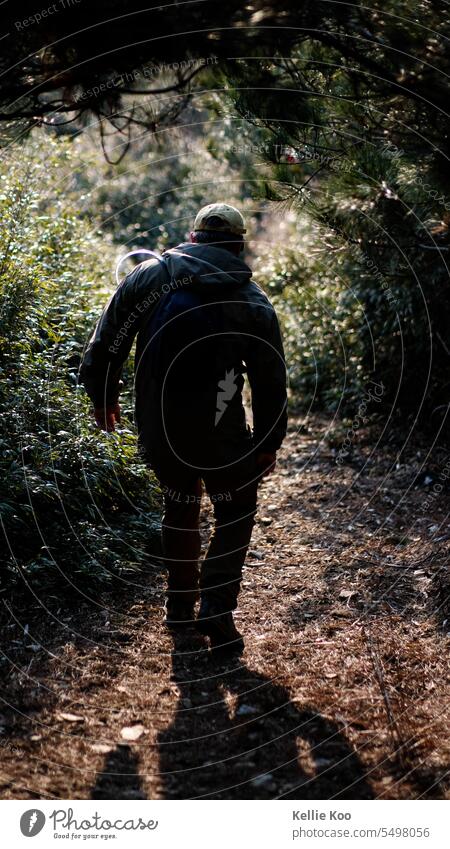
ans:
x=151 y=198
x=319 y=318
x=75 y=504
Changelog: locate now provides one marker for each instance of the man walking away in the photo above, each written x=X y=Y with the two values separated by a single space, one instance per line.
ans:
x=201 y=324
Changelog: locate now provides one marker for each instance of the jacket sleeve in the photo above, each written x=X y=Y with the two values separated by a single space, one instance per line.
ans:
x=111 y=342
x=266 y=371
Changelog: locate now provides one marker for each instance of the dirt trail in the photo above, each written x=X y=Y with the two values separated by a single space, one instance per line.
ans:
x=340 y=692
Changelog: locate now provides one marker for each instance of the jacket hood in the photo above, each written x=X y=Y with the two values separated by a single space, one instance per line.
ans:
x=207 y=265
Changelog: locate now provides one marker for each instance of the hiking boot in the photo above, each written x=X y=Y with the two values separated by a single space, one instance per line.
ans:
x=219 y=626
x=178 y=613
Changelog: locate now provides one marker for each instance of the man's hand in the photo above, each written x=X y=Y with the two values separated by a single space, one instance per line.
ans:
x=266 y=463
x=106 y=418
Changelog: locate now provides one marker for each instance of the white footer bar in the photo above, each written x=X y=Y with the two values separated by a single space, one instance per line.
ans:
x=226 y=824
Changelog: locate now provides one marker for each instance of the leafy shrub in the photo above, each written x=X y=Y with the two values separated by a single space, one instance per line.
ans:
x=319 y=318
x=74 y=503
x=151 y=198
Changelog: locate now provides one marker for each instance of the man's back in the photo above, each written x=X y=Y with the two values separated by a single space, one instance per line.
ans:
x=193 y=353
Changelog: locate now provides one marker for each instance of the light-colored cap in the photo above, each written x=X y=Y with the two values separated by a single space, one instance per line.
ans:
x=220 y=216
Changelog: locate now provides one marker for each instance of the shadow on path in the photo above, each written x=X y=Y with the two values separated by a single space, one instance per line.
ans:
x=237 y=735
x=120 y=777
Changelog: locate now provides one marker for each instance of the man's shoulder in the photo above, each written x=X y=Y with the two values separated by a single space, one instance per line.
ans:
x=149 y=267
x=148 y=274
x=254 y=294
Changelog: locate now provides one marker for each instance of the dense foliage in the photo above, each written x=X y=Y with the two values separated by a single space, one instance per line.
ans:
x=359 y=141
x=150 y=199
x=319 y=322
x=73 y=502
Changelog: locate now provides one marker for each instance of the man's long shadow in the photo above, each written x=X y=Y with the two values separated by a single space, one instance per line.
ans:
x=237 y=735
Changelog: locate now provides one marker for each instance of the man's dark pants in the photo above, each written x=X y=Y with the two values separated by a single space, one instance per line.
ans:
x=232 y=490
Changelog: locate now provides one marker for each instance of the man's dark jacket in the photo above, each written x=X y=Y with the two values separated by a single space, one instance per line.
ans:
x=201 y=323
